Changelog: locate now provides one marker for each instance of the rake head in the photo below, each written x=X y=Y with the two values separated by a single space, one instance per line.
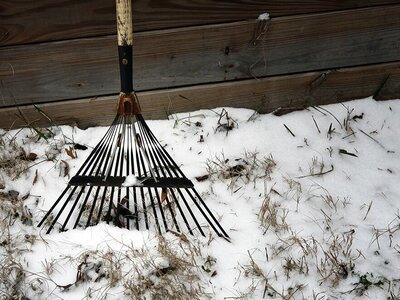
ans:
x=130 y=180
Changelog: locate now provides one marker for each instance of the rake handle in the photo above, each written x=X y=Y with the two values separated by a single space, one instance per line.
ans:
x=125 y=44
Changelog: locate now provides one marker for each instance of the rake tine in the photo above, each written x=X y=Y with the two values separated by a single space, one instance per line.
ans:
x=139 y=164
x=62 y=209
x=129 y=150
x=84 y=204
x=171 y=162
x=119 y=165
x=131 y=155
x=149 y=149
x=191 y=213
x=154 y=210
x=169 y=205
x=142 y=162
x=103 y=197
x=161 y=209
x=136 y=208
x=165 y=155
x=115 y=147
x=54 y=206
x=108 y=215
x=156 y=161
x=144 y=153
x=181 y=212
x=72 y=208
x=99 y=150
x=101 y=144
x=209 y=212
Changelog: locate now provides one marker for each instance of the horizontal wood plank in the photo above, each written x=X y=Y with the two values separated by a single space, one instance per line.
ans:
x=264 y=95
x=23 y=22
x=205 y=54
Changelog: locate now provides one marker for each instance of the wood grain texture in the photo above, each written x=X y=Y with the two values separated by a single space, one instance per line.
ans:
x=23 y=22
x=264 y=95
x=198 y=55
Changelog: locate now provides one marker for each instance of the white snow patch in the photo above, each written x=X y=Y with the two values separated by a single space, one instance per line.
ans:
x=328 y=232
x=132 y=180
x=264 y=16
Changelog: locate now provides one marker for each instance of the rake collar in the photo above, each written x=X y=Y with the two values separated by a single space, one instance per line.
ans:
x=128 y=105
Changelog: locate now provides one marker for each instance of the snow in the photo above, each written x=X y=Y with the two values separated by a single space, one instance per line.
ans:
x=264 y=16
x=132 y=180
x=306 y=217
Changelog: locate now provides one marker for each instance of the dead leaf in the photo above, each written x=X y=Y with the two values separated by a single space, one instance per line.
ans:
x=31 y=156
x=66 y=168
x=71 y=153
x=343 y=151
x=202 y=178
x=164 y=194
x=80 y=147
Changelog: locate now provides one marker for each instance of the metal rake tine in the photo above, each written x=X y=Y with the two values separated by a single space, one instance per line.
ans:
x=104 y=153
x=94 y=205
x=175 y=168
x=168 y=170
x=136 y=208
x=53 y=206
x=154 y=210
x=142 y=163
x=132 y=164
x=118 y=168
x=98 y=148
x=108 y=215
x=209 y=213
x=61 y=210
x=143 y=151
x=72 y=208
x=161 y=209
x=162 y=152
x=139 y=164
x=191 y=212
x=84 y=205
x=148 y=149
x=114 y=147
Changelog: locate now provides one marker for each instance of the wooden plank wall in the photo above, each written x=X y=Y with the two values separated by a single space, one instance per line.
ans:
x=214 y=53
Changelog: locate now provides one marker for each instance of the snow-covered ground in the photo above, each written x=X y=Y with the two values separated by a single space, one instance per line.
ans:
x=312 y=209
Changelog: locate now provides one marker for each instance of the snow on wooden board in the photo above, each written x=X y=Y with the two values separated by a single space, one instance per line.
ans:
x=310 y=200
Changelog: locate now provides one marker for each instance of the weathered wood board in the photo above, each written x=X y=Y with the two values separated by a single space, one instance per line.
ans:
x=263 y=95
x=24 y=22
x=197 y=55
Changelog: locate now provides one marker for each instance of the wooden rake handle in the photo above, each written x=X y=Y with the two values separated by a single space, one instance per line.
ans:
x=125 y=44
x=128 y=104
x=124 y=22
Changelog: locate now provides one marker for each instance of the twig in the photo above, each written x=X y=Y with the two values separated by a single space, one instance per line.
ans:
x=369 y=208
x=372 y=139
x=30 y=125
x=341 y=126
x=316 y=125
x=349 y=135
x=380 y=87
x=316 y=108
x=343 y=151
x=287 y=128
x=318 y=174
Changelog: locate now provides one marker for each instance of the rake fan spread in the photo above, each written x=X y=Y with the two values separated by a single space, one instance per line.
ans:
x=159 y=195
x=129 y=179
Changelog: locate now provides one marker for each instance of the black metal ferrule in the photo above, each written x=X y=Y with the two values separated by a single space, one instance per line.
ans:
x=125 y=68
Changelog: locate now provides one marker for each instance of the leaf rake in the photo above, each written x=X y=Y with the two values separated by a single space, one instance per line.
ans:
x=129 y=179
